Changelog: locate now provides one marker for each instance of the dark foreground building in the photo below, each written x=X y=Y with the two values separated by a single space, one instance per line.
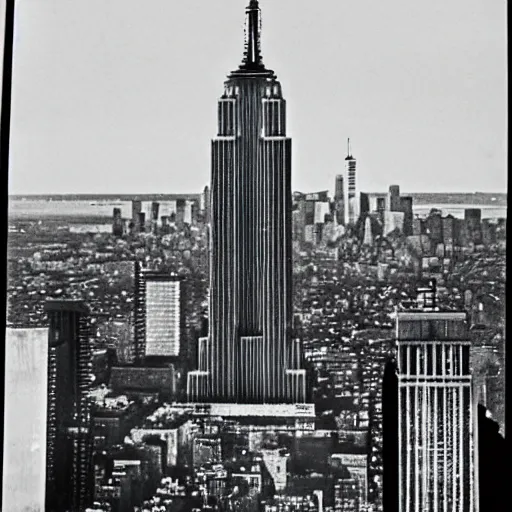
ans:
x=69 y=474
x=390 y=449
x=249 y=355
x=493 y=485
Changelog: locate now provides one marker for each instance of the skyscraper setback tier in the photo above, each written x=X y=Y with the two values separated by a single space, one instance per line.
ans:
x=249 y=355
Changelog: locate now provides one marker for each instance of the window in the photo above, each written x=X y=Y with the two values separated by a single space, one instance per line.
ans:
x=448 y=350
x=426 y=330
x=438 y=329
x=465 y=360
x=412 y=360
x=456 y=360
x=456 y=330
x=430 y=360
x=421 y=360
x=438 y=352
x=407 y=330
x=403 y=360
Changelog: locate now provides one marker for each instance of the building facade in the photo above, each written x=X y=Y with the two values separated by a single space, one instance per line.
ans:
x=69 y=446
x=158 y=314
x=25 y=418
x=339 y=200
x=435 y=422
x=473 y=224
x=249 y=355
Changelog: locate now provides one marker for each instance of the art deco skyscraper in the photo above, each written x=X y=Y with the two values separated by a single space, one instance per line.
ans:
x=249 y=355
x=435 y=410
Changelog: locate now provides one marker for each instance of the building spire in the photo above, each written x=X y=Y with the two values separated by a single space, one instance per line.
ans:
x=252 y=52
x=349 y=151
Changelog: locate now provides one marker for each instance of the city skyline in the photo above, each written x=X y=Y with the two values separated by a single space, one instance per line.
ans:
x=249 y=348
x=109 y=101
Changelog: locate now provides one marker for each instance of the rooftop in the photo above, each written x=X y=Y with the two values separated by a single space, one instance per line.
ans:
x=66 y=305
x=166 y=417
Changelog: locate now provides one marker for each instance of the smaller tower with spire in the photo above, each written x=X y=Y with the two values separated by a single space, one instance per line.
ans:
x=351 y=202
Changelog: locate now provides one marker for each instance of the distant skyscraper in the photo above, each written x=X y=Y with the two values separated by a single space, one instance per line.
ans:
x=368 y=235
x=351 y=206
x=25 y=416
x=188 y=212
x=141 y=223
x=321 y=210
x=155 y=208
x=136 y=216
x=249 y=355
x=435 y=411
x=434 y=225
x=118 y=223
x=339 y=200
x=69 y=470
x=406 y=203
x=206 y=205
x=488 y=232
x=158 y=314
x=394 y=198
x=181 y=205
x=473 y=223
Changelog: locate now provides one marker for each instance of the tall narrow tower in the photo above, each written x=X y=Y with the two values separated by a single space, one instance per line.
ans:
x=339 y=199
x=435 y=410
x=249 y=355
x=69 y=471
x=351 y=204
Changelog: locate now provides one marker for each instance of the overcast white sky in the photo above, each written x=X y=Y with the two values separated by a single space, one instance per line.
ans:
x=120 y=96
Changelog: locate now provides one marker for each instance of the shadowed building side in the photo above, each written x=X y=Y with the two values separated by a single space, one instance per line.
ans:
x=493 y=488
x=390 y=447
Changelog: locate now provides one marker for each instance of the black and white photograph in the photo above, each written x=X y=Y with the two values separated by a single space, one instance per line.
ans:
x=256 y=255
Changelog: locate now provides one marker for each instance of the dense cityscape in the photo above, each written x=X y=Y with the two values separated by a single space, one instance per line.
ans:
x=131 y=422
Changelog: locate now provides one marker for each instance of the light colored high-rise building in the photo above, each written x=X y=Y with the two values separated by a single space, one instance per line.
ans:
x=321 y=210
x=158 y=314
x=249 y=355
x=368 y=235
x=435 y=416
x=351 y=192
x=26 y=382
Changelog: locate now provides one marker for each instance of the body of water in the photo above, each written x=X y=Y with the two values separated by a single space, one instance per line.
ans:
x=489 y=211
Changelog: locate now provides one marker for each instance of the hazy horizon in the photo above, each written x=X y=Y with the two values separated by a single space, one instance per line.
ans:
x=120 y=97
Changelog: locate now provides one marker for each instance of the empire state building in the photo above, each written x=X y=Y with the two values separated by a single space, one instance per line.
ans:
x=250 y=356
